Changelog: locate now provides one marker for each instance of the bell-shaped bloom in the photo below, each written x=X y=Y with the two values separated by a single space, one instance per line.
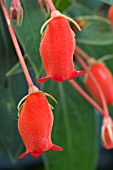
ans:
x=104 y=79
x=57 y=49
x=110 y=14
x=107 y=132
x=35 y=125
x=16 y=11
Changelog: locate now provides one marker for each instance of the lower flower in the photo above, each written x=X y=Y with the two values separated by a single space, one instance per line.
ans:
x=35 y=125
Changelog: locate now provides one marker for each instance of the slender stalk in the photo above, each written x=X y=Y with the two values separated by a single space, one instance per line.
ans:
x=82 y=53
x=105 y=108
x=16 y=45
x=86 y=96
x=51 y=5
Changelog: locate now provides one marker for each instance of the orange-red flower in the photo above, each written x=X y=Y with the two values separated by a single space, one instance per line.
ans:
x=110 y=14
x=35 y=125
x=57 y=49
x=104 y=78
x=107 y=132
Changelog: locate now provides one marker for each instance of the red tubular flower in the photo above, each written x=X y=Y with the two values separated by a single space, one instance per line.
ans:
x=107 y=132
x=35 y=125
x=16 y=11
x=110 y=14
x=57 y=49
x=104 y=79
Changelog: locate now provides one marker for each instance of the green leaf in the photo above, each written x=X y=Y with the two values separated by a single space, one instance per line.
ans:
x=92 y=4
x=77 y=10
x=98 y=32
x=11 y=91
x=16 y=69
x=29 y=32
x=110 y=2
x=98 y=37
x=74 y=130
x=61 y=5
x=99 y=51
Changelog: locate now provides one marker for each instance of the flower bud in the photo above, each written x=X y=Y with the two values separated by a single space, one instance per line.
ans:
x=107 y=132
x=35 y=125
x=16 y=11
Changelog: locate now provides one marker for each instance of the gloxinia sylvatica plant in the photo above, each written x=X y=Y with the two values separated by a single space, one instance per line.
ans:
x=65 y=51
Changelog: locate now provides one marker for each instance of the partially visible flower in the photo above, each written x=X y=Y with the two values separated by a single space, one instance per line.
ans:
x=107 y=132
x=57 y=49
x=104 y=79
x=110 y=14
x=35 y=125
x=16 y=11
x=42 y=3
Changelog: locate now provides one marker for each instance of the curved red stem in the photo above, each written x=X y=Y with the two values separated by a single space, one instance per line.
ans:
x=106 y=113
x=51 y=5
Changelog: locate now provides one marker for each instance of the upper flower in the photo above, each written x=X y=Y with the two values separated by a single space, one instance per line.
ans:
x=57 y=49
x=35 y=125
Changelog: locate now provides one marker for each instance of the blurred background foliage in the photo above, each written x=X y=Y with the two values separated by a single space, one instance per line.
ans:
x=76 y=125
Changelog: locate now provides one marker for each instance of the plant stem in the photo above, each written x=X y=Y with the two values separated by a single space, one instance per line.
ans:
x=86 y=96
x=105 y=108
x=16 y=45
x=51 y=5
x=82 y=53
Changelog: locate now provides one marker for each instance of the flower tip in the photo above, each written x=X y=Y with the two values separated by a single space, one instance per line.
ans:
x=82 y=72
x=77 y=73
x=41 y=80
x=56 y=148
x=107 y=133
x=35 y=155
x=23 y=155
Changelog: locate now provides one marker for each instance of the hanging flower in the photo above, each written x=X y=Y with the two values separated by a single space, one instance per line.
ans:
x=57 y=49
x=16 y=11
x=104 y=78
x=110 y=14
x=107 y=132
x=35 y=125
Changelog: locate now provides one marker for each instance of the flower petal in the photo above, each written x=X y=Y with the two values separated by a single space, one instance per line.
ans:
x=23 y=155
x=56 y=148
x=43 y=79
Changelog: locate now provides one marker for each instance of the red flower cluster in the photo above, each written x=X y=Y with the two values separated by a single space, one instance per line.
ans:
x=35 y=125
x=36 y=118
